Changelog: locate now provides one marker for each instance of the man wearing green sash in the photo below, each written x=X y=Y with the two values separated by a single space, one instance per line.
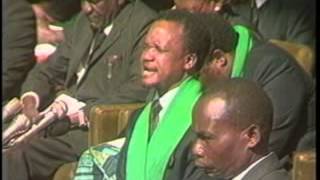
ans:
x=158 y=143
x=236 y=52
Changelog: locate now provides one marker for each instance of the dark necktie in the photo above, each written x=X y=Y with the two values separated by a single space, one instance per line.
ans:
x=254 y=16
x=96 y=41
x=154 y=116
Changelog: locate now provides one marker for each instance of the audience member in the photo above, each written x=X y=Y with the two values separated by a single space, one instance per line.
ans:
x=285 y=20
x=49 y=12
x=232 y=131
x=204 y=6
x=159 y=137
x=288 y=20
x=52 y=17
x=237 y=53
x=97 y=63
x=159 y=5
x=19 y=40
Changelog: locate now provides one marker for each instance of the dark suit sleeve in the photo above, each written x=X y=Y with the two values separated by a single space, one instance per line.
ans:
x=19 y=40
x=289 y=89
x=44 y=78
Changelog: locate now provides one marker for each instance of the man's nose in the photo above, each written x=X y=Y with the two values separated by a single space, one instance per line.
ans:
x=197 y=149
x=148 y=54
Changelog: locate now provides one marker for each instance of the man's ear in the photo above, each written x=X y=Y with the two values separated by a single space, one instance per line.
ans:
x=190 y=61
x=253 y=135
x=220 y=59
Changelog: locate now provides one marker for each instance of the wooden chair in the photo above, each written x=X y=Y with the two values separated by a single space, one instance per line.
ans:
x=304 y=165
x=302 y=53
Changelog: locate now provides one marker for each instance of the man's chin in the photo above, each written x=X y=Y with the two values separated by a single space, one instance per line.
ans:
x=214 y=173
x=149 y=83
x=96 y=24
x=95 y=27
x=210 y=171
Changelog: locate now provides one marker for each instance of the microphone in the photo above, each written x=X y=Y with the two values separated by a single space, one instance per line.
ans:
x=13 y=107
x=19 y=125
x=56 y=111
x=30 y=102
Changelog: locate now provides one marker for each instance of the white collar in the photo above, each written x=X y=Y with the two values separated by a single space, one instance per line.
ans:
x=259 y=3
x=243 y=173
x=108 y=29
x=167 y=98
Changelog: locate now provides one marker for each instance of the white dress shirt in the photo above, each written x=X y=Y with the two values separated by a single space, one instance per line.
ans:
x=259 y=3
x=166 y=99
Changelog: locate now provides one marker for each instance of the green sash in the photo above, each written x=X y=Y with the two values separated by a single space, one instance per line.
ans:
x=148 y=161
x=242 y=50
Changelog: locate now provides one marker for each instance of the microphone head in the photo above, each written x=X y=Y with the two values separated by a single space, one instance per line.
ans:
x=30 y=106
x=20 y=125
x=13 y=107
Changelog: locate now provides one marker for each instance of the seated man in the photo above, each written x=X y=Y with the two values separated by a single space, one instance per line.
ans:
x=289 y=20
x=285 y=20
x=97 y=63
x=232 y=121
x=159 y=138
x=237 y=53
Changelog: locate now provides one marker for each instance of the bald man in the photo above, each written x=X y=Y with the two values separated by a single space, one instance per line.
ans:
x=232 y=121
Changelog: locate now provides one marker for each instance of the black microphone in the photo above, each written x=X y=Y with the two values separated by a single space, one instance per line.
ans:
x=13 y=107
x=56 y=111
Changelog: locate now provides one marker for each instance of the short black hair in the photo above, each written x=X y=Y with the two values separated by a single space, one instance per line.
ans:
x=196 y=35
x=223 y=36
x=246 y=103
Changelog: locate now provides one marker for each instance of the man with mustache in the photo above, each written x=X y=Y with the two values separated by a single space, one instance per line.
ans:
x=159 y=137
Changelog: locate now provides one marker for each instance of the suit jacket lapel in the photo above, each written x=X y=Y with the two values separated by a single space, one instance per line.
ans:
x=80 y=47
x=119 y=24
x=271 y=163
x=107 y=42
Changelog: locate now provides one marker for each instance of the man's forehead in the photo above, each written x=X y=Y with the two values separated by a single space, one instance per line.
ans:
x=168 y=24
x=214 y=108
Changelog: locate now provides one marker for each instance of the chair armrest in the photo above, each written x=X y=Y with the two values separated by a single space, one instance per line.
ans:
x=108 y=121
x=302 y=53
x=304 y=165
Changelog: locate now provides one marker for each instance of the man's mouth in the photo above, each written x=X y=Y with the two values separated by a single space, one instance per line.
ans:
x=149 y=70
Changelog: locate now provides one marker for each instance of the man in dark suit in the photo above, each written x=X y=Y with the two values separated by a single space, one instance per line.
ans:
x=289 y=20
x=19 y=40
x=159 y=138
x=232 y=121
x=97 y=63
x=284 y=20
x=236 y=52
